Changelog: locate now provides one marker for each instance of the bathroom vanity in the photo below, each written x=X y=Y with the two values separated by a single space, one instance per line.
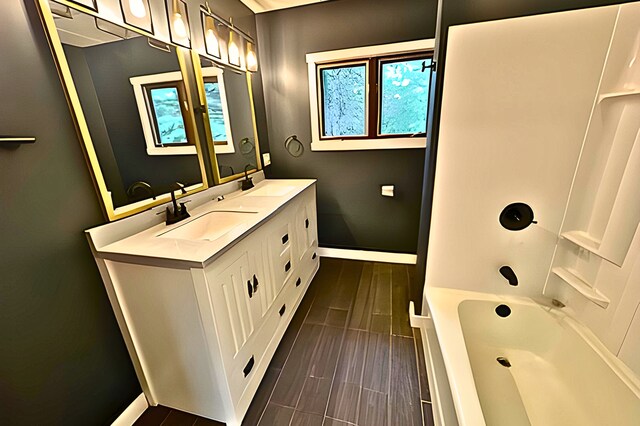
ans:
x=203 y=303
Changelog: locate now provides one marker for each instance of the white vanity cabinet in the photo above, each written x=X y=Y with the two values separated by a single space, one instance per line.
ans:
x=202 y=335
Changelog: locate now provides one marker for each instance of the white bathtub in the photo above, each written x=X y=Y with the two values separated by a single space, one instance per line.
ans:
x=560 y=373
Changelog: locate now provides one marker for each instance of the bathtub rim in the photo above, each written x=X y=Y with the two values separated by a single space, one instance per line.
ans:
x=443 y=305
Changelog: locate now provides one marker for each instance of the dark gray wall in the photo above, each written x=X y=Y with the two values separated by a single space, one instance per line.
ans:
x=97 y=127
x=63 y=360
x=111 y=66
x=240 y=120
x=351 y=211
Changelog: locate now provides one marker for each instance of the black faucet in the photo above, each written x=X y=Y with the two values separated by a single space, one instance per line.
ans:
x=179 y=213
x=508 y=273
x=247 y=183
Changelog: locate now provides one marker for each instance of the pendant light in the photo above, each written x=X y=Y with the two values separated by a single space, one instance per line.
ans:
x=251 y=59
x=233 y=50
x=137 y=8
x=211 y=36
x=177 y=20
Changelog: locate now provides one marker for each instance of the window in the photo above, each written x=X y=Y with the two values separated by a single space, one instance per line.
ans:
x=161 y=101
x=343 y=91
x=218 y=110
x=370 y=98
x=403 y=95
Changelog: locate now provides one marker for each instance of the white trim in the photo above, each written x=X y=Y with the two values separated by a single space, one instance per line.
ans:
x=132 y=412
x=152 y=149
x=364 y=144
x=366 y=51
x=313 y=59
x=372 y=256
x=229 y=148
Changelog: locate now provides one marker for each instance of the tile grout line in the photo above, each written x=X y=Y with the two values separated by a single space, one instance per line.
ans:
x=335 y=371
x=390 y=356
x=287 y=358
x=166 y=417
x=364 y=363
x=415 y=351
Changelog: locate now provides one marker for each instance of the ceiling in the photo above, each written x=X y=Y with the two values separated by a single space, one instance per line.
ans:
x=259 y=6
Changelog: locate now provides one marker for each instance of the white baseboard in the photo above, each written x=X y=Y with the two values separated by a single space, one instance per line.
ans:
x=372 y=256
x=133 y=411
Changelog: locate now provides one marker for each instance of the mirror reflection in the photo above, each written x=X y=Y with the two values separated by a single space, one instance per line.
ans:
x=134 y=102
x=231 y=118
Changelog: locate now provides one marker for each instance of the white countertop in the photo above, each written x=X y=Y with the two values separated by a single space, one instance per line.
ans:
x=147 y=247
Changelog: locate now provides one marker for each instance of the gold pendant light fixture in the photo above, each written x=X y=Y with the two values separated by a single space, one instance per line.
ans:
x=211 y=33
x=177 y=20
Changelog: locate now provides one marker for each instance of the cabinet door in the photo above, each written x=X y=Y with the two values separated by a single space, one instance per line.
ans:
x=306 y=227
x=232 y=296
x=263 y=291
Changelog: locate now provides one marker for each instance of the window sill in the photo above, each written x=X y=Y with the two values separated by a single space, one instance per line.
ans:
x=171 y=150
x=368 y=144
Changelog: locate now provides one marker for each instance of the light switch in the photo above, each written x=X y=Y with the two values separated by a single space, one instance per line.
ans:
x=266 y=159
x=387 y=190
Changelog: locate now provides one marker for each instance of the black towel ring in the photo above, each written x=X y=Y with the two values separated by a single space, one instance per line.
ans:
x=246 y=146
x=294 y=147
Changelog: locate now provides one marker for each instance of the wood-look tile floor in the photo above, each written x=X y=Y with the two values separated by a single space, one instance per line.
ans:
x=349 y=357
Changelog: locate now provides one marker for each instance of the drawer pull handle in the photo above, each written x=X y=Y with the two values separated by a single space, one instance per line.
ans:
x=285 y=238
x=255 y=283
x=306 y=223
x=287 y=266
x=281 y=311
x=298 y=282
x=314 y=256
x=250 y=289
x=247 y=369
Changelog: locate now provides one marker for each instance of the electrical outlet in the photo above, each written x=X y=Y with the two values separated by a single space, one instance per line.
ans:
x=266 y=159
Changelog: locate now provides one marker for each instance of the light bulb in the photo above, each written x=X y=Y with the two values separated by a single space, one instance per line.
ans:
x=212 y=43
x=137 y=8
x=234 y=53
x=252 y=61
x=178 y=25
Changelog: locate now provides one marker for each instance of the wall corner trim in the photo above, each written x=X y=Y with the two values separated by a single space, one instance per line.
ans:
x=132 y=412
x=372 y=256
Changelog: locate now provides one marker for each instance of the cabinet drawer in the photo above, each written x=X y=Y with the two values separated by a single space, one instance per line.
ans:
x=251 y=356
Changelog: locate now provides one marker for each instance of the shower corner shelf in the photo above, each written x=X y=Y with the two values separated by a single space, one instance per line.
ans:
x=611 y=95
x=581 y=286
x=582 y=239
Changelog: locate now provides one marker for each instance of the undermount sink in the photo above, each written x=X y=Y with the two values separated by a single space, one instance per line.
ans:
x=271 y=190
x=209 y=226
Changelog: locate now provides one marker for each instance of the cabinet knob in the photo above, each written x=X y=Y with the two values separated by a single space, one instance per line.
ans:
x=287 y=266
x=298 y=282
x=281 y=311
x=255 y=283
x=314 y=256
x=285 y=238
x=306 y=223
x=250 y=289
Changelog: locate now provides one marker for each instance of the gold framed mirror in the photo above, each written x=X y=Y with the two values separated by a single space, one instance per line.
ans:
x=229 y=118
x=132 y=106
